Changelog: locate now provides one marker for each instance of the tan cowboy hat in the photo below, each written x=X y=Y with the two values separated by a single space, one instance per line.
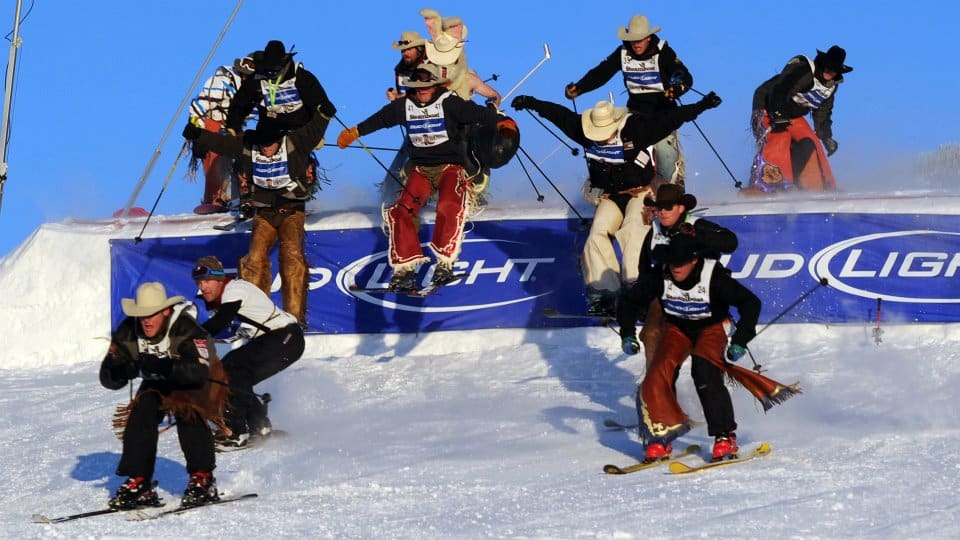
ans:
x=408 y=40
x=151 y=298
x=601 y=122
x=637 y=29
x=444 y=49
x=426 y=75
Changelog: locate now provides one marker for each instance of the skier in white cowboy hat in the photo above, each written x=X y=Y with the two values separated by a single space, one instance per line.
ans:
x=616 y=144
x=161 y=342
x=413 y=52
x=654 y=77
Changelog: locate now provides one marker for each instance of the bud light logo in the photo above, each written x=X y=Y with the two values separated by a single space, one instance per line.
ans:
x=918 y=266
x=497 y=273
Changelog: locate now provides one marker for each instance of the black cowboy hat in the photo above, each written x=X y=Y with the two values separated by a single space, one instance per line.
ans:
x=267 y=132
x=833 y=60
x=669 y=195
x=681 y=249
x=275 y=56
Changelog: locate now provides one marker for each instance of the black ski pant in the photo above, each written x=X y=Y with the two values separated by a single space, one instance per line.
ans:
x=253 y=363
x=714 y=396
x=140 y=439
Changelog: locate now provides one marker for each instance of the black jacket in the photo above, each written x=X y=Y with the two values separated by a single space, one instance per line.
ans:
x=639 y=132
x=776 y=94
x=724 y=293
x=647 y=102
x=188 y=371
x=300 y=144
x=250 y=95
x=457 y=112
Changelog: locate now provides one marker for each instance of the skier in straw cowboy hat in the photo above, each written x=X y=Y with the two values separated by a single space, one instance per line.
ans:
x=616 y=144
x=654 y=77
x=161 y=342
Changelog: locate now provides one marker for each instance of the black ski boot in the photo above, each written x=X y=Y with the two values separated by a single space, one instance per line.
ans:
x=136 y=492
x=403 y=281
x=442 y=274
x=201 y=489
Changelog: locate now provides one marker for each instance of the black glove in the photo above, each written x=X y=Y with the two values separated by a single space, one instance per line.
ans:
x=246 y=211
x=710 y=101
x=522 y=102
x=778 y=122
x=121 y=368
x=831 y=145
x=155 y=365
x=191 y=132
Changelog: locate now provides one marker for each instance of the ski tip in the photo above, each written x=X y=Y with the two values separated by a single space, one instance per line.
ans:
x=612 y=469
x=40 y=518
x=763 y=449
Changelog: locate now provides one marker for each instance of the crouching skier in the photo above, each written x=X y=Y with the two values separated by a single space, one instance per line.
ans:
x=275 y=342
x=161 y=341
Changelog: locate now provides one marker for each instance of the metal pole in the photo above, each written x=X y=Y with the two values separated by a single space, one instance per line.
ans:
x=176 y=115
x=8 y=98
x=546 y=56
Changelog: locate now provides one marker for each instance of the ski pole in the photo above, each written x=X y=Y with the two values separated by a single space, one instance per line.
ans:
x=166 y=182
x=186 y=98
x=375 y=158
x=574 y=151
x=822 y=283
x=547 y=178
x=546 y=56
x=374 y=148
x=537 y=191
x=737 y=183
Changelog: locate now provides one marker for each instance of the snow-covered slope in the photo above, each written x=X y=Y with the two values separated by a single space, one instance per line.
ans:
x=481 y=434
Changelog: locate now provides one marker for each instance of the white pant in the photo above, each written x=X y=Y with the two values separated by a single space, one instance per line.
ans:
x=602 y=271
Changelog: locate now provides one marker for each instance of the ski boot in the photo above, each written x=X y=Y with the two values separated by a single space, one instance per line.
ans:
x=201 y=489
x=725 y=447
x=657 y=451
x=403 y=281
x=442 y=274
x=600 y=304
x=136 y=492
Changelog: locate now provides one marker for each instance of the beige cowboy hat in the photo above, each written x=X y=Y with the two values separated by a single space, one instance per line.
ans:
x=444 y=49
x=601 y=122
x=426 y=75
x=408 y=40
x=637 y=29
x=151 y=298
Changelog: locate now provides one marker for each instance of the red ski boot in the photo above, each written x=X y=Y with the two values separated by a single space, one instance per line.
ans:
x=725 y=447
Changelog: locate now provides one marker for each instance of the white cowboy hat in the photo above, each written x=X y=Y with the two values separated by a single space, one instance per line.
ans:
x=601 y=122
x=151 y=298
x=637 y=29
x=431 y=77
x=444 y=49
x=408 y=40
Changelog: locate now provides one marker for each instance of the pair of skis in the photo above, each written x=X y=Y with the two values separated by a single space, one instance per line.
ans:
x=139 y=514
x=418 y=293
x=675 y=466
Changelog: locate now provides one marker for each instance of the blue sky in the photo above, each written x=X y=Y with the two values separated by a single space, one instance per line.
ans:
x=99 y=81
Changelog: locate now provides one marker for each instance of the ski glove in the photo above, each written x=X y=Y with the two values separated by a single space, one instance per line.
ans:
x=571 y=91
x=735 y=352
x=710 y=101
x=152 y=364
x=507 y=129
x=191 y=132
x=523 y=102
x=831 y=145
x=630 y=345
x=347 y=137
x=122 y=368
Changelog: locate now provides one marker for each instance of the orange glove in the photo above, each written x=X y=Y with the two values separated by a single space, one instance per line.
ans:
x=347 y=137
x=507 y=129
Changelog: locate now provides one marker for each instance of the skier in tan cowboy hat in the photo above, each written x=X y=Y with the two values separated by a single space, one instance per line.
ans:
x=413 y=52
x=616 y=144
x=654 y=77
x=161 y=342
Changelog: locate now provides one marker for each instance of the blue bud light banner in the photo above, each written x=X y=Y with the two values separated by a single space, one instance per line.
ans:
x=514 y=269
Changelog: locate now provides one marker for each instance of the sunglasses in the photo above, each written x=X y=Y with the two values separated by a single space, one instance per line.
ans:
x=202 y=272
x=422 y=75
